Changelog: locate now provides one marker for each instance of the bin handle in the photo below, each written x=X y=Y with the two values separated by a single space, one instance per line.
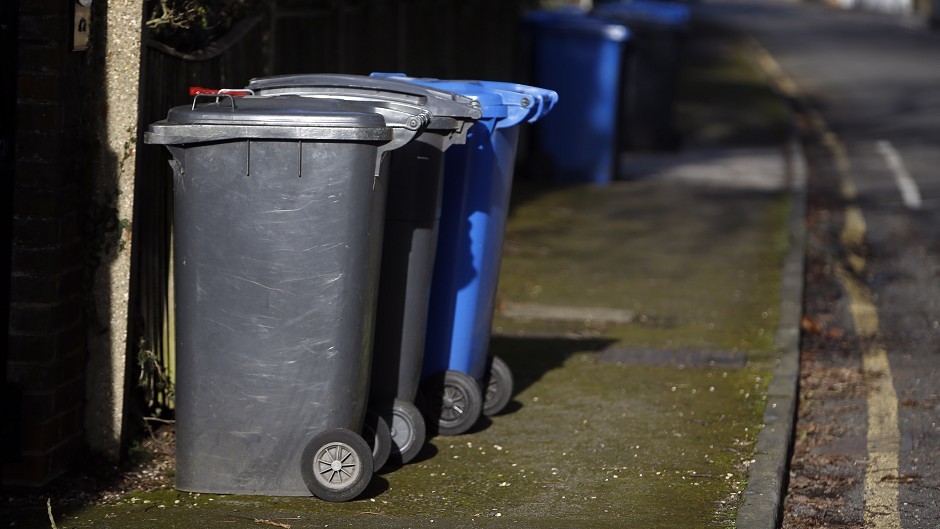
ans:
x=218 y=94
x=195 y=90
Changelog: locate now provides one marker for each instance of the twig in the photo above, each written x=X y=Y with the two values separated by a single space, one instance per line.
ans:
x=265 y=521
x=272 y=522
x=156 y=419
x=49 y=510
x=150 y=430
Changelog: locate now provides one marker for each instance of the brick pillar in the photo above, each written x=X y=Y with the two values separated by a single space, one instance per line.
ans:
x=46 y=353
x=113 y=116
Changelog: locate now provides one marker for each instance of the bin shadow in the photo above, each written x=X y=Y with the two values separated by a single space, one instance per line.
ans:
x=428 y=451
x=530 y=357
x=377 y=486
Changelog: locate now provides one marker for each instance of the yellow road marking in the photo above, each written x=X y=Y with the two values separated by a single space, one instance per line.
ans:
x=853 y=235
x=854 y=228
x=772 y=69
x=883 y=437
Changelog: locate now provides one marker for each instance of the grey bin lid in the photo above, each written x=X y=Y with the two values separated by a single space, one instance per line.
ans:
x=225 y=117
x=440 y=103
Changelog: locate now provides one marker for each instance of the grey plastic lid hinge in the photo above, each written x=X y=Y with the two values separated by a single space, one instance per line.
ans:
x=400 y=137
x=457 y=137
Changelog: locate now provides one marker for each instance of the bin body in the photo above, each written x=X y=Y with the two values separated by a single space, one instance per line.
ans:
x=411 y=219
x=580 y=57
x=276 y=262
x=476 y=191
x=651 y=70
x=411 y=227
x=474 y=210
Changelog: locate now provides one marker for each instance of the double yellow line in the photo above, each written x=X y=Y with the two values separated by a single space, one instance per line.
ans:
x=883 y=436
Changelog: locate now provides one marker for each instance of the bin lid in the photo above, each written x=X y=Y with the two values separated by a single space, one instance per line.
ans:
x=575 y=22
x=545 y=99
x=223 y=116
x=440 y=103
x=509 y=103
x=663 y=13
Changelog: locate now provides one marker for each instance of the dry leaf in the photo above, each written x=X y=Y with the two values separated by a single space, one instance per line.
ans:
x=272 y=522
x=810 y=326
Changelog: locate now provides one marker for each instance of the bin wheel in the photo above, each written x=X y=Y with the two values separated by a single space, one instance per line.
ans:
x=376 y=432
x=336 y=465
x=408 y=430
x=498 y=387
x=454 y=402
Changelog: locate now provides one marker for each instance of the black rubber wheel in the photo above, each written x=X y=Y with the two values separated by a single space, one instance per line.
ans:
x=336 y=465
x=378 y=435
x=498 y=387
x=408 y=430
x=454 y=402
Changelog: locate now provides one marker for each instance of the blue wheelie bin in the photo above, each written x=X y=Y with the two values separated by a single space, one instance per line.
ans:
x=651 y=70
x=579 y=56
x=461 y=380
x=410 y=241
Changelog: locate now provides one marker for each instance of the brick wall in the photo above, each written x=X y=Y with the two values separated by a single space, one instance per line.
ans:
x=9 y=12
x=46 y=357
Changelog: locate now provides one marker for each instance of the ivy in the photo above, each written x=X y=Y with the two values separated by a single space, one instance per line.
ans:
x=189 y=25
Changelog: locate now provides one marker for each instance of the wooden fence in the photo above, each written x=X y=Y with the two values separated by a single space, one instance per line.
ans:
x=166 y=76
x=469 y=39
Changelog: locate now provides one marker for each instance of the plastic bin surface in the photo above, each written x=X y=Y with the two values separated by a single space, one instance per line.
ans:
x=580 y=57
x=412 y=215
x=477 y=184
x=276 y=262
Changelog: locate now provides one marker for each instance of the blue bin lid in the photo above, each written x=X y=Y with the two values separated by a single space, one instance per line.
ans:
x=576 y=22
x=512 y=103
x=645 y=11
x=544 y=99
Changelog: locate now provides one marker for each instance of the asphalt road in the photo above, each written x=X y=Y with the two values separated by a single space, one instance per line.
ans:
x=867 y=92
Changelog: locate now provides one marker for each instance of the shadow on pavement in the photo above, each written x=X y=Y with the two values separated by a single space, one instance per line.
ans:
x=530 y=357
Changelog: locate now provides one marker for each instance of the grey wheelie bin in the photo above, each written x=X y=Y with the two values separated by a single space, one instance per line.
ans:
x=411 y=229
x=278 y=204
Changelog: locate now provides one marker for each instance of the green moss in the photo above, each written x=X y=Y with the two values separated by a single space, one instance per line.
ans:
x=586 y=444
x=700 y=268
x=724 y=98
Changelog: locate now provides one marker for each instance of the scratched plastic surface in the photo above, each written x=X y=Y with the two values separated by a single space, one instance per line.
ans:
x=277 y=252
